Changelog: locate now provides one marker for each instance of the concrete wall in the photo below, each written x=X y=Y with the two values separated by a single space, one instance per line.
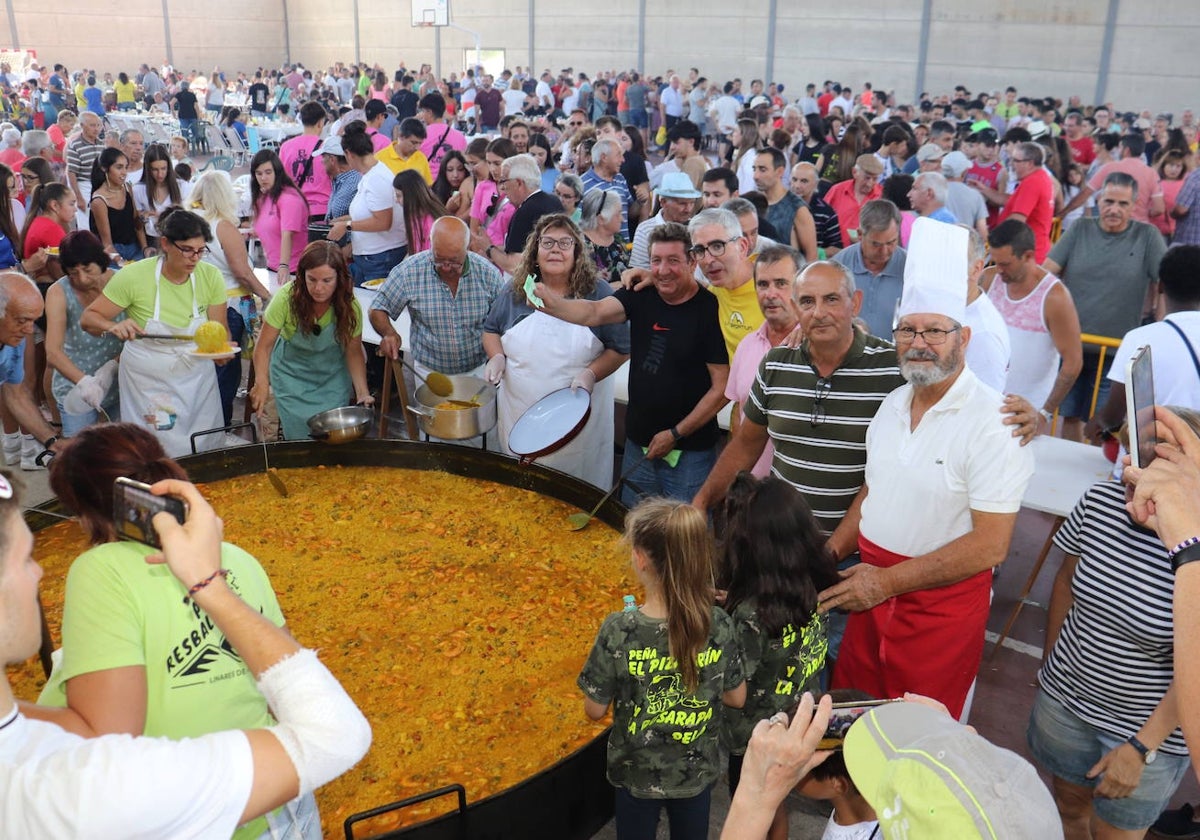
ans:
x=115 y=35
x=1041 y=46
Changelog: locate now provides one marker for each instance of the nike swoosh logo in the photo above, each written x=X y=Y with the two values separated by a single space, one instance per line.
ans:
x=657 y=328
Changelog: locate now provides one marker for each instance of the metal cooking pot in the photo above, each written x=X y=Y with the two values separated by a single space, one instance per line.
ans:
x=456 y=423
x=338 y=425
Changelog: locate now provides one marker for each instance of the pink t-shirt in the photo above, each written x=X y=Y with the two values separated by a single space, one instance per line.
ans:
x=742 y=370
x=440 y=139
x=424 y=242
x=270 y=222
x=1149 y=184
x=378 y=141
x=497 y=229
x=13 y=158
x=295 y=154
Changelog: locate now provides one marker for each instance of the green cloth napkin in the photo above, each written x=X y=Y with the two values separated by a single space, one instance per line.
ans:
x=672 y=457
x=534 y=301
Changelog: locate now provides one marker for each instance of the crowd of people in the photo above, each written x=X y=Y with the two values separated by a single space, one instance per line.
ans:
x=893 y=297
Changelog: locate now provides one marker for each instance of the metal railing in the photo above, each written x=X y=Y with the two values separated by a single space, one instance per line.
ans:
x=1104 y=343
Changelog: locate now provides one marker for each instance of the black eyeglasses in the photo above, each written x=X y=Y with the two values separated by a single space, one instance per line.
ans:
x=933 y=337
x=715 y=248
x=821 y=389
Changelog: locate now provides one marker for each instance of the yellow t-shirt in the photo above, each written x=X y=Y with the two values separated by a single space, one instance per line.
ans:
x=125 y=92
x=132 y=289
x=279 y=313
x=739 y=313
x=417 y=160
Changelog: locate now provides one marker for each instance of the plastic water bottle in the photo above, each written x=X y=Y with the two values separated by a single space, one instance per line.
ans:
x=630 y=604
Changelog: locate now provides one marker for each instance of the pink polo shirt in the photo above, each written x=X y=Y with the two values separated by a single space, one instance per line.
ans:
x=742 y=370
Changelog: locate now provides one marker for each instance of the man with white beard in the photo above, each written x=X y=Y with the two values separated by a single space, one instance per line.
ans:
x=942 y=489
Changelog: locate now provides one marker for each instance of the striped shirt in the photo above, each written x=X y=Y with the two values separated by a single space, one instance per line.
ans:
x=821 y=441
x=1114 y=658
x=592 y=181
x=80 y=155
x=829 y=232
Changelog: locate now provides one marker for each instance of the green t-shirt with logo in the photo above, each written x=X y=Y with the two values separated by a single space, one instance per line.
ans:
x=664 y=741
x=120 y=611
x=778 y=671
x=133 y=288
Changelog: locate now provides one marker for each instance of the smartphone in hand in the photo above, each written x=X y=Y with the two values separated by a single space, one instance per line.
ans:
x=1139 y=408
x=134 y=507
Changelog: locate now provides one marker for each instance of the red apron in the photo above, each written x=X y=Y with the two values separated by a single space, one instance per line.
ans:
x=929 y=642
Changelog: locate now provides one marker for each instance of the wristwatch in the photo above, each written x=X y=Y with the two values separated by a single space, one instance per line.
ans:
x=349 y=224
x=1148 y=755
x=1049 y=415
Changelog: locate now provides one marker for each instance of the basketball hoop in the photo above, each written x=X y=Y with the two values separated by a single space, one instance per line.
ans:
x=427 y=14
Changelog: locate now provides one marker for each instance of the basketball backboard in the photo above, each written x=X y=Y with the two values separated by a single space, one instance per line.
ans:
x=430 y=12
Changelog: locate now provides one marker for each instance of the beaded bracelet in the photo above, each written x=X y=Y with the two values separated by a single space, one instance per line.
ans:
x=1182 y=546
x=1180 y=557
x=196 y=587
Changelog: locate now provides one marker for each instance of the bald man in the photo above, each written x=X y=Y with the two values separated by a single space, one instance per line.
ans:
x=448 y=291
x=21 y=304
x=804 y=183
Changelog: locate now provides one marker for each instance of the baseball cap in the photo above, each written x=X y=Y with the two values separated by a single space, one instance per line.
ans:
x=987 y=136
x=928 y=152
x=1142 y=123
x=955 y=164
x=374 y=108
x=677 y=185
x=927 y=775
x=333 y=146
x=759 y=100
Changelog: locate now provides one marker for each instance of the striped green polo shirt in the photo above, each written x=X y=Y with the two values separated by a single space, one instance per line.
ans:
x=819 y=424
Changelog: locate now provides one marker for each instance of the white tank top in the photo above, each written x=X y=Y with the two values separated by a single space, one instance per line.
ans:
x=1033 y=365
x=216 y=256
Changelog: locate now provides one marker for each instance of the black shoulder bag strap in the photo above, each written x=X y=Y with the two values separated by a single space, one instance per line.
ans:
x=1187 y=343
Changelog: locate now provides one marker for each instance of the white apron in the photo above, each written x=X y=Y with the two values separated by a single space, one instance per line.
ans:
x=172 y=392
x=544 y=354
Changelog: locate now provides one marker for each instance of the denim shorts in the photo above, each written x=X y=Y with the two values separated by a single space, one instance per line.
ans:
x=1068 y=748
x=1079 y=399
x=639 y=118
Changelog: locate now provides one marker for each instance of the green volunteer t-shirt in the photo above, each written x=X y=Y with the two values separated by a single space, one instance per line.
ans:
x=664 y=741
x=132 y=288
x=279 y=313
x=778 y=671
x=120 y=611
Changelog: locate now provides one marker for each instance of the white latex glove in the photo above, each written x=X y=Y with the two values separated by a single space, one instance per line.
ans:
x=106 y=374
x=86 y=395
x=494 y=371
x=585 y=379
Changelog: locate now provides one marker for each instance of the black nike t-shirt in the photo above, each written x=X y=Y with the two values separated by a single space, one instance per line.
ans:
x=668 y=374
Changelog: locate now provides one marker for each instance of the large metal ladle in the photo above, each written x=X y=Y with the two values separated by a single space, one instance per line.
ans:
x=439 y=383
x=579 y=521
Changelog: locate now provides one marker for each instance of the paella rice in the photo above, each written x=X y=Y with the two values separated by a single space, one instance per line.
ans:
x=456 y=612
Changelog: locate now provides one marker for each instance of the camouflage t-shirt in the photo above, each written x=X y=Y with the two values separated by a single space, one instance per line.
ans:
x=778 y=671
x=663 y=743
